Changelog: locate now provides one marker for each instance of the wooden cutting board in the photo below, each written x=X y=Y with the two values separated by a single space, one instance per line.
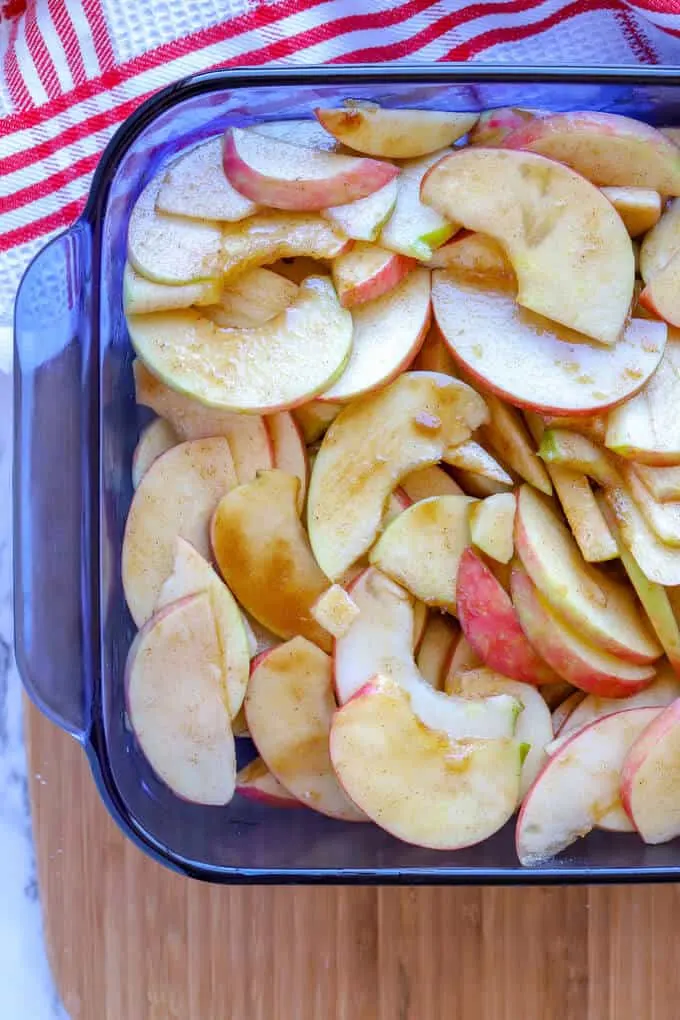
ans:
x=128 y=940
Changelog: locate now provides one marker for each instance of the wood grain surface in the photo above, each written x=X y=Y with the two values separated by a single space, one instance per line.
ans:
x=128 y=940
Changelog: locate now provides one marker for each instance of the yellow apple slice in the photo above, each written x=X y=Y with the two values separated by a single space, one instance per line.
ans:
x=414 y=228
x=176 y=497
x=422 y=786
x=429 y=481
x=141 y=296
x=661 y=243
x=639 y=208
x=191 y=575
x=663 y=483
x=175 y=702
x=370 y=447
x=363 y=220
x=157 y=438
x=269 y=236
x=255 y=782
x=299 y=353
x=288 y=450
x=263 y=554
x=289 y=708
x=436 y=647
x=394 y=134
x=252 y=299
x=492 y=523
x=562 y=236
x=195 y=186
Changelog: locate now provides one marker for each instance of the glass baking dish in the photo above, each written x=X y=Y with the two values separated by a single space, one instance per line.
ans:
x=76 y=425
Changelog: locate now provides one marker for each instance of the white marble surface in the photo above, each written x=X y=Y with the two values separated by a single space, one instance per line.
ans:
x=26 y=988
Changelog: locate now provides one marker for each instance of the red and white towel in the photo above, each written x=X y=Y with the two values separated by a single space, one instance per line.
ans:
x=72 y=70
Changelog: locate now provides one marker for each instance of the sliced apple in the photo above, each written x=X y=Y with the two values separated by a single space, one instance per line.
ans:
x=585 y=666
x=477 y=485
x=463 y=657
x=394 y=134
x=495 y=125
x=268 y=368
x=415 y=229
x=175 y=703
x=475 y=255
x=434 y=654
x=156 y=439
x=289 y=708
x=367 y=272
x=307 y=133
x=429 y=481
x=169 y=249
x=566 y=708
x=283 y=175
x=606 y=148
x=288 y=450
x=387 y=334
x=141 y=295
x=663 y=483
x=492 y=523
x=335 y=611
x=195 y=186
x=639 y=208
x=592 y=602
x=591 y=426
x=269 y=236
x=370 y=447
x=423 y=786
x=650 y=785
x=661 y=243
x=314 y=417
x=472 y=457
x=434 y=355
x=560 y=233
x=660 y=296
x=364 y=219
x=263 y=554
x=662 y=518
x=252 y=299
x=535 y=363
x=255 y=782
x=176 y=497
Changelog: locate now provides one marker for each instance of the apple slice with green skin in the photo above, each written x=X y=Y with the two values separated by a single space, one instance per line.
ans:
x=157 y=438
x=381 y=637
x=475 y=255
x=573 y=659
x=494 y=126
x=387 y=334
x=286 y=176
x=294 y=356
x=289 y=708
x=252 y=299
x=639 y=208
x=191 y=575
x=262 y=552
x=394 y=134
x=247 y=435
x=463 y=657
x=423 y=786
x=491 y=625
x=542 y=212
x=606 y=148
x=661 y=243
x=429 y=481
x=538 y=364
x=434 y=355
x=472 y=457
x=415 y=229
x=195 y=186
x=649 y=778
x=565 y=710
x=579 y=786
x=367 y=272
x=176 y=497
x=175 y=702
x=269 y=236
x=492 y=524
x=141 y=295
x=440 y=637
x=255 y=782
x=662 y=482
x=600 y=609
x=289 y=453
x=370 y=447
x=364 y=219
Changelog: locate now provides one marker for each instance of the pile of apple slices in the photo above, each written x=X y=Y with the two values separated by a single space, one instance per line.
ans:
x=408 y=515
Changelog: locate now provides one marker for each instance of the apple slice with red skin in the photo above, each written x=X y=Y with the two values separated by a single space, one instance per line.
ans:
x=367 y=272
x=661 y=243
x=286 y=176
x=289 y=453
x=490 y=624
x=422 y=786
x=579 y=786
x=585 y=666
x=440 y=637
x=289 y=707
x=565 y=709
x=494 y=126
x=255 y=782
x=660 y=296
x=175 y=702
x=394 y=134
x=650 y=784
x=156 y=439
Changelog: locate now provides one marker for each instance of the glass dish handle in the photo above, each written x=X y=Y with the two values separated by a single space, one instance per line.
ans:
x=52 y=422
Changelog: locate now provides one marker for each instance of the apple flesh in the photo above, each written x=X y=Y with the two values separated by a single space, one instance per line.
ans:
x=662 y=483
x=364 y=219
x=255 y=782
x=434 y=355
x=157 y=438
x=541 y=212
x=195 y=186
x=565 y=710
x=429 y=481
x=175 y=703
x=660 y=296
x=662 y=518
x=440 y=637
x=661 y=243
x=367 y=272
x=463 y=657
x=294 y=356
x=473 y=458
x=141 y=296
x=492 y=524
x=394 y=134
x=314 y=417
x=252 y=299
x=335 y=611
x=414 y=228
x=649 y=778
x=494 y=126
x=639 y=208
x=289 y=453
x=176 y=497
x=269 y=236
x=474 y=255
x=289 y=708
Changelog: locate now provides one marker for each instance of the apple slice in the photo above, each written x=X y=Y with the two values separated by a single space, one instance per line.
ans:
x=542 y=213
x=364 y=219
x=394 y=134
x=603 y=611
x=156 y=439
x=434 y=355
x=507 y=435
x=307 y=133
x=370 y=447
x=663 y=483
x=314 y=417
x=583 y=665
x=579 y=785
x=252 y=299
x=247 y=434
x=263 y=554
x=535 y=363
x=195 y=186
x=429 y=481
x=491 y=625
x=662 y=518
x=367 y=272
x=434 y=654
x=463 y=657
x=660 y=296
x=287 y=176
x=494 y=126
x=649 y=778
x=492 y=523
x=474 y=255
x=606 y=148
x=423 y=786
x=566 y=709
x=591 y=426
x=415 y=229
x=268 y=368
x=288 y=450
x=473 y=458
x=175 y=706
x=289 y=708
x=387 y=334
x=477 y=485
x=335 y=611
x=639 y=208
x=269 y=236
x=661 y=243
x=255 y=782
x=141 y=295
x=176 y=497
